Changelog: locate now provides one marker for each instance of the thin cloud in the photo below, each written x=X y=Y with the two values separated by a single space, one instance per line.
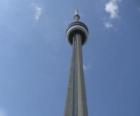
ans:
x=2 y=112
x=86 y=67
x=108 y=25
x=139 y=9
x=38 y=11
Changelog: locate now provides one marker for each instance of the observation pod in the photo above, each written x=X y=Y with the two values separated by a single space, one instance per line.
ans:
x=77 y=27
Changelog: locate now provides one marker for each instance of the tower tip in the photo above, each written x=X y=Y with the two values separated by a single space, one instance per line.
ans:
x=76 y=15
x=76 y=12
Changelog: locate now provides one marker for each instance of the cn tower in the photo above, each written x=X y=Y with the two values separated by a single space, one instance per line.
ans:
x=76 y=104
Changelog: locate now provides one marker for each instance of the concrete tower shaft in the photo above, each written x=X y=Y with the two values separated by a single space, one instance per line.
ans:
x=76 y=104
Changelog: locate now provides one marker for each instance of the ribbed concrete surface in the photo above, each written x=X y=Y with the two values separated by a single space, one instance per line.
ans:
x=76 y=104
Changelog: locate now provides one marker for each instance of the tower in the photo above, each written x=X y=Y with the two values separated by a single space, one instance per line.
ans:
x=76 y=104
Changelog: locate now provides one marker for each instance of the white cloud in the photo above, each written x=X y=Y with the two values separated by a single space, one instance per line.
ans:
x=37 y=11
x=112 y=8
x=108 y=25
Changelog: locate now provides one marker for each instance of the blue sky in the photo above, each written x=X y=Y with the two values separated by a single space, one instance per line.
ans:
x=35 y=56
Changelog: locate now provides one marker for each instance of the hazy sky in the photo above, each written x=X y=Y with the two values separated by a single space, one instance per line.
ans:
x=35 y=56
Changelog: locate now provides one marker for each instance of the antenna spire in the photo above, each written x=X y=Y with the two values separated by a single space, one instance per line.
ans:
x=76 y=15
